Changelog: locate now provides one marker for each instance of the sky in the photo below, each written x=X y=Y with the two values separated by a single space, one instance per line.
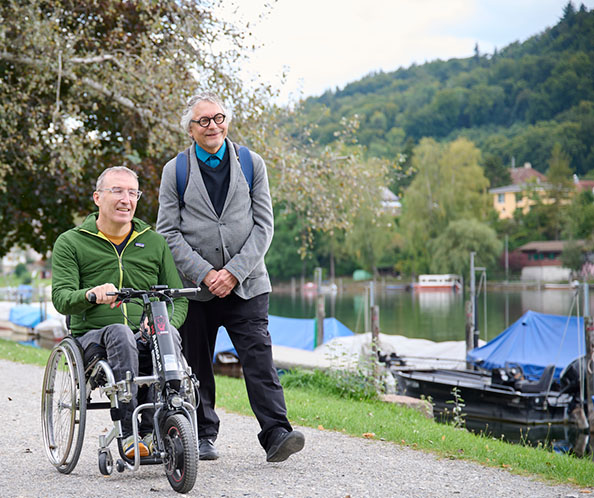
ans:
x=325 y=44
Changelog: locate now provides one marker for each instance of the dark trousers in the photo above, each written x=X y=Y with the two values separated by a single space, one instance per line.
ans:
x=246 y=322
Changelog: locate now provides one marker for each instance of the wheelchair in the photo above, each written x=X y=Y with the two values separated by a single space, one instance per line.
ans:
x=70 y=380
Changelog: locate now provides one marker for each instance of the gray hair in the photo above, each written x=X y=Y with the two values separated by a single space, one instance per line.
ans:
x=196 y=99
x=114 y=169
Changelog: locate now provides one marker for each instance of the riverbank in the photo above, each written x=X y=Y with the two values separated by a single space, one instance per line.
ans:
x=331 y=465
x=348 y=285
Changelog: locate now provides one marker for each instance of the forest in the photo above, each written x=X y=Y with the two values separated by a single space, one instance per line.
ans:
x=514 y=104
x=528 y=102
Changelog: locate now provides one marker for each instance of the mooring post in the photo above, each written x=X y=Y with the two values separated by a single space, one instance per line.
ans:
x=469 y=331
x=375 y=330
x=589 y=336
x=320 y=315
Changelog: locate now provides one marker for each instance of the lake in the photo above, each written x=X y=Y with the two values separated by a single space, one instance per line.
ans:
x=434 y=315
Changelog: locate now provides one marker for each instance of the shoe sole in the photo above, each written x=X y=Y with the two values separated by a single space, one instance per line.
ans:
x=208 y=456
x=293 y=443
x=144 y=451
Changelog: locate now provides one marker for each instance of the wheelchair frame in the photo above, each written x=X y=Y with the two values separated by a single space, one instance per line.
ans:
x=66 y=397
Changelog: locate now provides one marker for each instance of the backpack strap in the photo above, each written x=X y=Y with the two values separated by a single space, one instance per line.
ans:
x=182 y=175
x=182 y=170
x=246 y=163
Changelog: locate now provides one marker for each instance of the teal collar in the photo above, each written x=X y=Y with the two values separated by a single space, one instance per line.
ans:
x=202 y=155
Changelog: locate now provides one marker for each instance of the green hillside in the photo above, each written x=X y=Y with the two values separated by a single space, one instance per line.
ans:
x=515 y=103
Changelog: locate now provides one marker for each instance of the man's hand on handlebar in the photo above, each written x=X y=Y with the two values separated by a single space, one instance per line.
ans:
x=101 y=296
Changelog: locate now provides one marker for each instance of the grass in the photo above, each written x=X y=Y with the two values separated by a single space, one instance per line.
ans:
x=313 y=401
x=317 y=407
x=10 y=350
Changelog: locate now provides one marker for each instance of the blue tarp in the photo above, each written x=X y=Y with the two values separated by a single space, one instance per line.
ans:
x=26 y=315
x=292 y=332
x=534 y=341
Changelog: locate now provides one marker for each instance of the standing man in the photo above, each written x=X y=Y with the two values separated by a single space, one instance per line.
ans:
x=218 y=237
x=111 y=249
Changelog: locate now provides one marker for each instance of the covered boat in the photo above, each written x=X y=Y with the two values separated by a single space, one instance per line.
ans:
x=520 y=375
x=534 y=341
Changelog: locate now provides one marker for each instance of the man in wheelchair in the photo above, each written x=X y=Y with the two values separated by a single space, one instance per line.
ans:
x=110 y=250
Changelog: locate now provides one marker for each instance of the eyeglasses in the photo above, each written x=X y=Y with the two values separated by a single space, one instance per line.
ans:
x=205 y=122
x=133 y=193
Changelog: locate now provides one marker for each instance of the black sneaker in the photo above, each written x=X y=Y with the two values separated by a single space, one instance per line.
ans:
x=284 y=445
x=207 y=449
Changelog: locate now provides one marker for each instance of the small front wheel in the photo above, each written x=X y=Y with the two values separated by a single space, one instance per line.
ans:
x=105 y=462
x=181 y=450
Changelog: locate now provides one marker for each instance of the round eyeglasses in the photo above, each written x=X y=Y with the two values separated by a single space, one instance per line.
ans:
x=205 y=121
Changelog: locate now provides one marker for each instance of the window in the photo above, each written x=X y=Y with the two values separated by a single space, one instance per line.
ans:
x=500 y=198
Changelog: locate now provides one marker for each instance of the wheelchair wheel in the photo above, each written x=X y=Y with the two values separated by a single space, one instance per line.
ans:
x=181 y=449
x=64 y=405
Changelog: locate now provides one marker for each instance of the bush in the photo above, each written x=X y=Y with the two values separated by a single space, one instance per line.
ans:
x=343 y=384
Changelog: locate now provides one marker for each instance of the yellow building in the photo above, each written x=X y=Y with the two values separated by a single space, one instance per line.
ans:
x=526 y=183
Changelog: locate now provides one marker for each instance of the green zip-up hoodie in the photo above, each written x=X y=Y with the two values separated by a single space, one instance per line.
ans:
x=84 y=258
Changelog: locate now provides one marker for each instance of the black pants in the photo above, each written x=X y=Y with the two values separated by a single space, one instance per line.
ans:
x=246 y=322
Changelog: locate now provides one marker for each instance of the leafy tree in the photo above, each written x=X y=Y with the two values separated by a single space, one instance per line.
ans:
x=449 y=185
x=89 y=84
x=324 y=187
x=451 y=250
x=578 y=217
x=283 y=260
x=561 y=186
x=573 y=256
x=497 y=174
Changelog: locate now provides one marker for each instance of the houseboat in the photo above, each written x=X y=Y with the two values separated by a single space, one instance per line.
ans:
x=447 y=282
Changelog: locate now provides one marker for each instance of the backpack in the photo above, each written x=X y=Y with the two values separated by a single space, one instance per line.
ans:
x=182 y=170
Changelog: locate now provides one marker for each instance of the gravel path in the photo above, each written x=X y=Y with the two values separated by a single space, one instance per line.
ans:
x=330 y=465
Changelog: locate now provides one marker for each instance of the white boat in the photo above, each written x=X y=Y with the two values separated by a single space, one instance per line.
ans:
x=446 y=281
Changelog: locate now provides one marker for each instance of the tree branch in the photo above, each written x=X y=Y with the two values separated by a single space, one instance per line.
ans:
x=95 y=85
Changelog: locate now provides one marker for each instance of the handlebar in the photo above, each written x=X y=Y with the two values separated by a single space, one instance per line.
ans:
x=126 y=293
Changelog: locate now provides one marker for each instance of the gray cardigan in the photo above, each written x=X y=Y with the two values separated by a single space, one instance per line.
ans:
x=237 y=240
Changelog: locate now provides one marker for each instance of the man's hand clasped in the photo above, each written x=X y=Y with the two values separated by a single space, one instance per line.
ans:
x=220 y=283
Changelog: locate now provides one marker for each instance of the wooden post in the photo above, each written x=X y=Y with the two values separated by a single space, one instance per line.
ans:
x=469 y=330
x=320 y=314
x=375 y=330
x=589 y=333
x=366 y=320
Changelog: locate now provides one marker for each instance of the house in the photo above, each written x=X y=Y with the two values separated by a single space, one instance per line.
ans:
x=525 y=181
x=541 y=261
x=390 y=202
x=527 y=184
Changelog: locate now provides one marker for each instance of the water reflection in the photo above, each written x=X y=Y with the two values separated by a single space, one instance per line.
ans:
x=438 y=316
x=561 y=438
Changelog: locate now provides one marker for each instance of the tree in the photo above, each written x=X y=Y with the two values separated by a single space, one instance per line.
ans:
x=451 y=250
x=578 y=218
x=497 y=174
x=559 y=179
x=573 y=256
x=323 y=186
x=89 y=84
x=449 y=185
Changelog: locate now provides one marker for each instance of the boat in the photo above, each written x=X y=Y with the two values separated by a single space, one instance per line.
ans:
x=485 y=398
x=522 y=376
x=438 y=282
